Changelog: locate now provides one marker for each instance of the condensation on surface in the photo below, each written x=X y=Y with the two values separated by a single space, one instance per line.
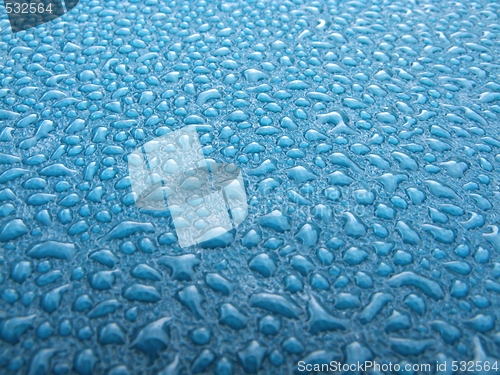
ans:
x=366 y=133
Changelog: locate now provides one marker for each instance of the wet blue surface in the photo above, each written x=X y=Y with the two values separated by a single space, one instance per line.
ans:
x=368 y=136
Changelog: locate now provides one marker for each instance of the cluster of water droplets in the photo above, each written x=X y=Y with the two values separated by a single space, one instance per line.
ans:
x=367 y=135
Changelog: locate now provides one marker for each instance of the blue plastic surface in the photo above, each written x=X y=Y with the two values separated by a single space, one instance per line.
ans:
x=367 y=133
